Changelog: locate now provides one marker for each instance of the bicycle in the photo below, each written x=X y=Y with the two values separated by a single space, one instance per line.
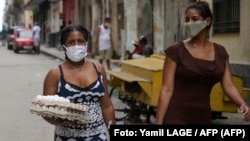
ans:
x=120 y=103
x=123 y=104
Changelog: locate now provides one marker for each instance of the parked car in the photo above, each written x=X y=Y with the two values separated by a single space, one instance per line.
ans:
x=10 y=39
x=11 y=36
x=23 y=40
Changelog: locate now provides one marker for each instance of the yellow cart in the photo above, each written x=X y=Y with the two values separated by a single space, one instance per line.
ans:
x=137 y=87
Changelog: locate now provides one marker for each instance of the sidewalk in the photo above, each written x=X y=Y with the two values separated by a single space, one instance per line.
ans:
x=59 y=54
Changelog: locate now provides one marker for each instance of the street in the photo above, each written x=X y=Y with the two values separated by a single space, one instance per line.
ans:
x=21 y=80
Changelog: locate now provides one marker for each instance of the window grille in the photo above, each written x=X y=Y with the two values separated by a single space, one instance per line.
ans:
x=226 y=16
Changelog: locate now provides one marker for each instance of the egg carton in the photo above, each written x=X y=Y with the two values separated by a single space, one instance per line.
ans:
x=60 y=112
x=55 y=100
x=59 y=107
x=73 y=106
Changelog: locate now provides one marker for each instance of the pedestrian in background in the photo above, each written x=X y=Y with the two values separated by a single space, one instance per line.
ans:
x=83 y=82
x=103 y=44
x=138 y=50
x=36 y=36
x=62 y=25
x=4 y=34
x=192 y=67
x=30 y=26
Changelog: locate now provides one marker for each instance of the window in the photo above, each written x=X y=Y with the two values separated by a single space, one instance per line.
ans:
x=226 y=16
x=25 y=34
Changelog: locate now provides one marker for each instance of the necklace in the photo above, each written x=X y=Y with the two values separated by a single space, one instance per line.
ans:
x=76 y=68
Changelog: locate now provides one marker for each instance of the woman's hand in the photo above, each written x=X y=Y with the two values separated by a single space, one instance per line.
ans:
x=245 y=111
x=64 y=122
x=58 y=121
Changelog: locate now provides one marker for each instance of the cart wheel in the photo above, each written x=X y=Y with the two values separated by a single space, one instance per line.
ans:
x=120 y=103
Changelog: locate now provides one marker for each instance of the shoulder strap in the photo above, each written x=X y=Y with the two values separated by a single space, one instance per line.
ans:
x=96 y=66
x=61 y=71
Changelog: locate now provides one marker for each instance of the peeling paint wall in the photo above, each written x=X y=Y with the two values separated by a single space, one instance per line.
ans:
x=162 y=22
x=55 y=16
x=158 y=27
x=174 y=21
x=28 y=19
x=131 y=23
x=145 y=19
x=244 y=36
x=96 y=19
x=138 y=21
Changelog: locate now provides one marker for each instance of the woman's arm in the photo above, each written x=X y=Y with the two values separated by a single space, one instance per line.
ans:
x=233 y=93
x=106 y=103
x=166 y=90
x=50 y=85
x=51 y=81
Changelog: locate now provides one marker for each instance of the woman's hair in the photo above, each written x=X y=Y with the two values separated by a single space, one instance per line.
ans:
x=107 y=19
x=70 y=28
x=203 y=8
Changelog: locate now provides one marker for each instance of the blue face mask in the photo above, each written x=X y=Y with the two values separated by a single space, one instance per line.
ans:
x=76 y=53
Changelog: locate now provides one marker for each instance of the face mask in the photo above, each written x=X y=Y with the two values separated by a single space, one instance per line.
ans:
x=194 y=28
x=76 y=53
x=107 y=24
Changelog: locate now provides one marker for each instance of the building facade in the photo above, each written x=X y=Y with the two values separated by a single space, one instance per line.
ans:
x=160 y=21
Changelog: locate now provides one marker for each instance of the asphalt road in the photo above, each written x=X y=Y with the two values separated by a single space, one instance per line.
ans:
x=21 y=80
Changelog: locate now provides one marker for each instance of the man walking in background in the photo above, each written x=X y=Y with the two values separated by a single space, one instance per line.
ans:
x=36 y=36
x=4 y=34
x=103 y=45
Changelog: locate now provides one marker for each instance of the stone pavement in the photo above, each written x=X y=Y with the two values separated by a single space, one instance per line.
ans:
x=232 y=118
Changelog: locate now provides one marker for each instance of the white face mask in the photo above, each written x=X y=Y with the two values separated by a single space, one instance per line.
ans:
x=194 y=28
x=76 y=53
x=107 y=24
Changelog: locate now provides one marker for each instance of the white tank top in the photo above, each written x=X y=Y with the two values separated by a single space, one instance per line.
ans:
x=104 y=38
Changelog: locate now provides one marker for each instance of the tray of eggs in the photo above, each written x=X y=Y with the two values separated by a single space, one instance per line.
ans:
x=55 y=106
